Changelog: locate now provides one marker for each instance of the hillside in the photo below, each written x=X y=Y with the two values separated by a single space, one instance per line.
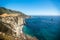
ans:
x=9 y=11
x=10 y=22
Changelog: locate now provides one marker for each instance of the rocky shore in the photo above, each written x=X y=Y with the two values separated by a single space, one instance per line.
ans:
x=11 y=24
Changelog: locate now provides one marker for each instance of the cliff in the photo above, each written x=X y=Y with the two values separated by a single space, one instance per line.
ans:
x=11 y=24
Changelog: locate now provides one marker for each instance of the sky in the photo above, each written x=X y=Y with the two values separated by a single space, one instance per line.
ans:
x=33 y=7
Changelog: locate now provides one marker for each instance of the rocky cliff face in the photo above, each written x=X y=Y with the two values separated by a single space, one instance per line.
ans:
x=11 y=23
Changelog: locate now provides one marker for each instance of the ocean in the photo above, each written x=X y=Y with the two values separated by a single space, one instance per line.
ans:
x=43 y=27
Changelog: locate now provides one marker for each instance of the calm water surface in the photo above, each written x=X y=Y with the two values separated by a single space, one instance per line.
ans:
x=43 y=27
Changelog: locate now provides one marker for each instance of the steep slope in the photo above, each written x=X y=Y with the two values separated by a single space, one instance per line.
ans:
x=11 y=22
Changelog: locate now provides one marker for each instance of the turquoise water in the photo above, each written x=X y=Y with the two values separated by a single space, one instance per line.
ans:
x=27 y=31
x=43 y=27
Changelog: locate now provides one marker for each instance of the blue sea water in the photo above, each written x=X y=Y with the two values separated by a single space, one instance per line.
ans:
x=43 y=27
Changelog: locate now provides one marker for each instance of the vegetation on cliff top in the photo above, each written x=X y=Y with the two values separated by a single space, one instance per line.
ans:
x=9 y=11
